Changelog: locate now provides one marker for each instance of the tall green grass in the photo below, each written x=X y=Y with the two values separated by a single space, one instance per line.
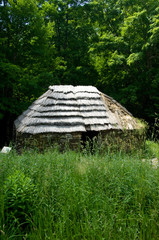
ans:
x=79 y=196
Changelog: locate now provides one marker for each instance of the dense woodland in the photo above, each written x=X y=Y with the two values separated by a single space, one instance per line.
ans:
x=113 y=45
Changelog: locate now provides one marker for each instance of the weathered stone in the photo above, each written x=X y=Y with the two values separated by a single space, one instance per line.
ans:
x=6 y=149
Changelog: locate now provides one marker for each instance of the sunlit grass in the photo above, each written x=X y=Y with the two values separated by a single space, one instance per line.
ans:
x=79 y=195
x=152 y=148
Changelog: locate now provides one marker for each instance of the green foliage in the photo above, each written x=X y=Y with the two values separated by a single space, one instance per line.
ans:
x=134 y=58
x=80 y=195
x=19 y=198
x=126 y=55
x=152 y=149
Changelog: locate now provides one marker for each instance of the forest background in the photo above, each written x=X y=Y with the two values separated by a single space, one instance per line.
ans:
x=113 y=45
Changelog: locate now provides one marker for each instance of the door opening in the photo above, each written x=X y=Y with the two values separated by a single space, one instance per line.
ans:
x=89 y=139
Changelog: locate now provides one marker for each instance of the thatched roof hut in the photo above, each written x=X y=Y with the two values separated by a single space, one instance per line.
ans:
x=69 y=114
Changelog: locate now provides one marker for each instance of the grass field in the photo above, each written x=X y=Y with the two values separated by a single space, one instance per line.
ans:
x=80 y=195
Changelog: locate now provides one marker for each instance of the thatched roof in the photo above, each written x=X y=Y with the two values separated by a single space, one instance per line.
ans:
x=64 y=109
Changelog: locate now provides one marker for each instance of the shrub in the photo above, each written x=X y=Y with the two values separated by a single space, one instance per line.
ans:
x=19 y=198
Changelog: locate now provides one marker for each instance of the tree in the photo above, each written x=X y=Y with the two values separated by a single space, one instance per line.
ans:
x=72 y=39
x=24 y=42
x=126 y=54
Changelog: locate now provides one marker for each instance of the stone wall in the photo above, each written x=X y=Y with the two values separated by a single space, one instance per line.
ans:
x=115 y=140
x=43 y=141
x=126 y=140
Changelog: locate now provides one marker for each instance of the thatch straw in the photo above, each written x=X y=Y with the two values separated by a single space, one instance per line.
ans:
x=67 y=109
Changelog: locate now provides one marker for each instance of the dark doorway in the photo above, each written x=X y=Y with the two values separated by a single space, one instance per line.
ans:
x=89 y=138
